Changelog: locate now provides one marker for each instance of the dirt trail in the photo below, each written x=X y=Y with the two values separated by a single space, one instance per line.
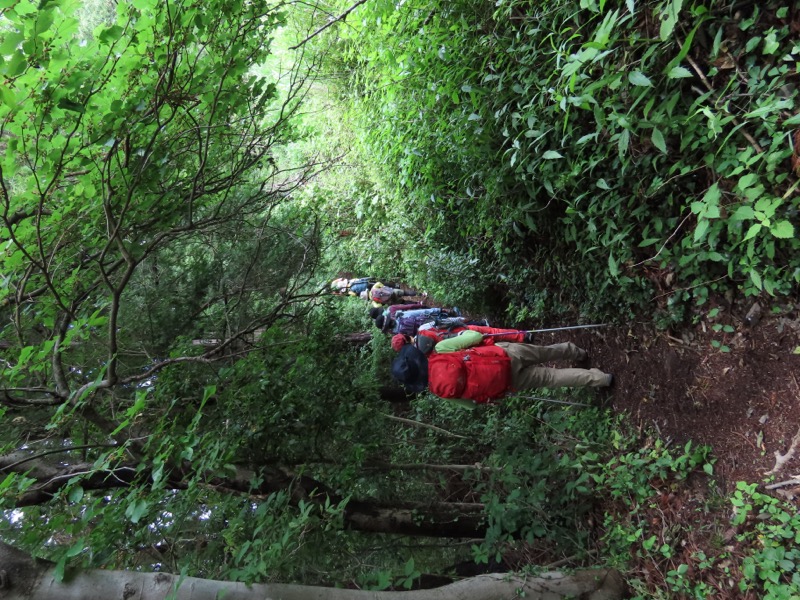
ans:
x=744 y=403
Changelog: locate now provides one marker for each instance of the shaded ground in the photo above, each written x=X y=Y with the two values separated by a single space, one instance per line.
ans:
x=744 y=403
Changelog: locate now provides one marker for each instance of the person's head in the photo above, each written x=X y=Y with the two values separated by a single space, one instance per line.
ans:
x=374 y=312
x=400 y=340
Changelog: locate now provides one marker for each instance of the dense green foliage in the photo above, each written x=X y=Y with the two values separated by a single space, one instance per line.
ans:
x=623 y=147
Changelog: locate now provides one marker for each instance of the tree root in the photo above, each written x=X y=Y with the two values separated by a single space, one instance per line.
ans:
x=782 y=459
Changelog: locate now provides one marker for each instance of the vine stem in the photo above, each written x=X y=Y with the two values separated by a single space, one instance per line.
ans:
x=664 y=245
x=425 y=425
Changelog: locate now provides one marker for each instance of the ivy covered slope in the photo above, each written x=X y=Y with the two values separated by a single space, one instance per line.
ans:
x=615 y=146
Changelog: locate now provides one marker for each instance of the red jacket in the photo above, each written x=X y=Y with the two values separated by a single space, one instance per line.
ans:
x=480 y=374
x=514 y=335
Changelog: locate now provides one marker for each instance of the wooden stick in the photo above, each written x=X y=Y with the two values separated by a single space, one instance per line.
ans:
x=341 y=17
x=425 y=425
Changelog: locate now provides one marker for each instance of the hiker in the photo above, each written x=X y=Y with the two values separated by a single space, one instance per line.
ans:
x=352 y=287
x=377 y=311
x=381 y=294
x=459 y=368
x=428 y=337
x=408 y=322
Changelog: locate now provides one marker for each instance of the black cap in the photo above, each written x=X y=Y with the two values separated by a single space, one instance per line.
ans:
x=411 y=369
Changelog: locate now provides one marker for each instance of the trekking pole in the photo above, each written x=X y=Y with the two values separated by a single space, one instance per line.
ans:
x=551 y=329
x=555 y=401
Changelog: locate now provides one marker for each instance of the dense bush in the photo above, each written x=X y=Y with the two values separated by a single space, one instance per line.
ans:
x=628 y=148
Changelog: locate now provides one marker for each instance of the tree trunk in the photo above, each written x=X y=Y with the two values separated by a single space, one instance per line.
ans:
x=451 y=520
x=434 y=519
x=24 y=578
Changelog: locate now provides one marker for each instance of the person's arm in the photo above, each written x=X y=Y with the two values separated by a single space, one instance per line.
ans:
x=462 y=341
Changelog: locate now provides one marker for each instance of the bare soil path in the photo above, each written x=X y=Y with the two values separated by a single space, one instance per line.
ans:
x=743 y=402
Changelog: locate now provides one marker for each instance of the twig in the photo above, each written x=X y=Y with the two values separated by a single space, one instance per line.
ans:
x=425 y=425
x=790 y=190
x=554 y=401
x=39 y=455
x=735 y=121
x=664 y=245
x=795 y=480
x=691 y=287
x=563 y=561
x=341 y=17
x=782 y=459
x=428 y=466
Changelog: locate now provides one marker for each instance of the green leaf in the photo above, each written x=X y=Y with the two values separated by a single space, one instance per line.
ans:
x=658 y=140
x=679 y=73
x=76 y=494
x=776 y=106
x=111 y=35
x=408 y=569
x=745 y=181
x=8 y=97
x=754 y=229
x=624 y=141
x=58 y=571
x=771 y=43
x=552 y=155
x=712 y=195
x=612 y=266
x=782 y=229
x=76 y=548
x=701 y=229
x=136 y=510
x=10 y=41
x=756 y=278
x=639 y=78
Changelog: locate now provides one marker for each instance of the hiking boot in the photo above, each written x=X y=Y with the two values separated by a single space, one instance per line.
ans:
x=584 y=362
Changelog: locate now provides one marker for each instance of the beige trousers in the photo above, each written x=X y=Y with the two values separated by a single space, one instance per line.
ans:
x=525 y=372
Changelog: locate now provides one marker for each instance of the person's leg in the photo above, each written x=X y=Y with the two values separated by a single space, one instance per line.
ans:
x=528 y=377
x=525 y=374
x=530 y=354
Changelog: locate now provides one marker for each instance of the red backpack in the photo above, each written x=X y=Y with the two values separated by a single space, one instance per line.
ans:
x=479 y=374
